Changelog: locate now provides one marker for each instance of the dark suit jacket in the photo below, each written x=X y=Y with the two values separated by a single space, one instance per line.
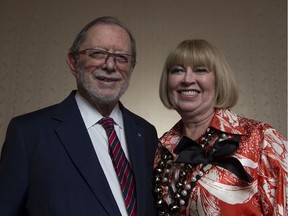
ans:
x=49 y=167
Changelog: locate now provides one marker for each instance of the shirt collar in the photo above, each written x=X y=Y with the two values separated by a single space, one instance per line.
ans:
x=227 y=121
x=223 y=120
x=91 y=115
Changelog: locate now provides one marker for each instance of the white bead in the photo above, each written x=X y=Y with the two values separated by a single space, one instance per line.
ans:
x=167 y=170
x=165 y=179
x=184 y=193
x=182 y=202
x=187 y=186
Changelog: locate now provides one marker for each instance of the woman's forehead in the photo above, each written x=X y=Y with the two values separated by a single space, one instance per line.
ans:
x=191 y=60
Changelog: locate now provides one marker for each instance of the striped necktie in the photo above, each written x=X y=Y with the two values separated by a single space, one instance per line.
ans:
x=121 y=166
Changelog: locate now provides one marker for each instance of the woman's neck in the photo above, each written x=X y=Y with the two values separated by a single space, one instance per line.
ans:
x=195 y=126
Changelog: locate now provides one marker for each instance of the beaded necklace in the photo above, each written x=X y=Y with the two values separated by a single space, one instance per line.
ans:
x=183 y=186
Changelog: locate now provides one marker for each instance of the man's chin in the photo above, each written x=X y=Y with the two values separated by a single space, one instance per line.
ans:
x=105 y=98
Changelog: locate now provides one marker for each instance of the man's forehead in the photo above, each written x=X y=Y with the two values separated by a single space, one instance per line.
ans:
x=108 y=35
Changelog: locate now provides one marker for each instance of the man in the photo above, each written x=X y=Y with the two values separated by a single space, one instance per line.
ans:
x=56 y=161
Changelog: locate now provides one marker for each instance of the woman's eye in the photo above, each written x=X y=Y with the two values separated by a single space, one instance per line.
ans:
x=200 y=69
x=176 y=70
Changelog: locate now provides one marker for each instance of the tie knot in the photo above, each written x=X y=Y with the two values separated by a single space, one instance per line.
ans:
x=107 y=123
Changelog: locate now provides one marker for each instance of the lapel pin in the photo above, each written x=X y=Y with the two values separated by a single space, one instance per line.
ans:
x=139 y=135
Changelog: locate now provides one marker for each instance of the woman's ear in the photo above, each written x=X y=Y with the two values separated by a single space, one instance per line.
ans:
x=71 y=62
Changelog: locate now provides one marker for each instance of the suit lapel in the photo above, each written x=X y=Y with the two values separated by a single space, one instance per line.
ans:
x=75 y=138
x=135 y=144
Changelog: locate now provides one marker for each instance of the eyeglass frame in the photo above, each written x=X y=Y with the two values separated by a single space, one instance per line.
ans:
x=108 y=54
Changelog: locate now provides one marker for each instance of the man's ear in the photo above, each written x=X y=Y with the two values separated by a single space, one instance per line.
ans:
x=71 y=62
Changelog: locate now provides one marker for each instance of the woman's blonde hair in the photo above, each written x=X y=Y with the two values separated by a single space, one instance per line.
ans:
x=200 y=52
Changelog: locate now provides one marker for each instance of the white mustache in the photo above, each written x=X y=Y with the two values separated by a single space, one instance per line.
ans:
x=104 y=75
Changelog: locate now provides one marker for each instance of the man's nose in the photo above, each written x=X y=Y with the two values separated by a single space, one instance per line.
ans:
x=110 y=63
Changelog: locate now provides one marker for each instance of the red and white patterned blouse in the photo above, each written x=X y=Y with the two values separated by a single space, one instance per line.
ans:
x=262 y=152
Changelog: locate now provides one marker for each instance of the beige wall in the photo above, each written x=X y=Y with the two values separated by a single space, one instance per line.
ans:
x=36 y=34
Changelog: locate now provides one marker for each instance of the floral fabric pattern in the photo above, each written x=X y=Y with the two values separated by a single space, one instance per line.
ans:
x=263 y=154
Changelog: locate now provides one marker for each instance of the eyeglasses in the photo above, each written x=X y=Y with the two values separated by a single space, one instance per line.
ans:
x=104 y=55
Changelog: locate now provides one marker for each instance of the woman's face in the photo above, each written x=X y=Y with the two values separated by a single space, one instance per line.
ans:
x=191 y=89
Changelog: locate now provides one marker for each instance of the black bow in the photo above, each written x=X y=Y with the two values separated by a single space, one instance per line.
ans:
x=220 y=154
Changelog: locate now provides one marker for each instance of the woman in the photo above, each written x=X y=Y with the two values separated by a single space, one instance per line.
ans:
x=214 y=162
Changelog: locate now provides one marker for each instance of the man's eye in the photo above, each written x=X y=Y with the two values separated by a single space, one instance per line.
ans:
x=97 y=54
x=121 y=58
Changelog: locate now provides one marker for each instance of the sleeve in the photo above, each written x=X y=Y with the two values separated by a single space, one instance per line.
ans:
x=13 y=173
x=273 y=168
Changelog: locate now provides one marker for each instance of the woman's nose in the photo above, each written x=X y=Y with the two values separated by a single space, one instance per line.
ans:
x=189 y=76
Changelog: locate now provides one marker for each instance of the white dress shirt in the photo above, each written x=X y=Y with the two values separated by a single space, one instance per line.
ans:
x=99 y=139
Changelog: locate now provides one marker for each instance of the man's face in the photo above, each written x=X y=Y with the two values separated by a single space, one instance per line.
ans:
x=102 y=78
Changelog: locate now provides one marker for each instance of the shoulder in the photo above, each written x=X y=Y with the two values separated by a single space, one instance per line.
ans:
x=253 y=125
x=36 y=115
x=49 y=112
x=231 y=121
x=127 y=114
x=262 y=131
